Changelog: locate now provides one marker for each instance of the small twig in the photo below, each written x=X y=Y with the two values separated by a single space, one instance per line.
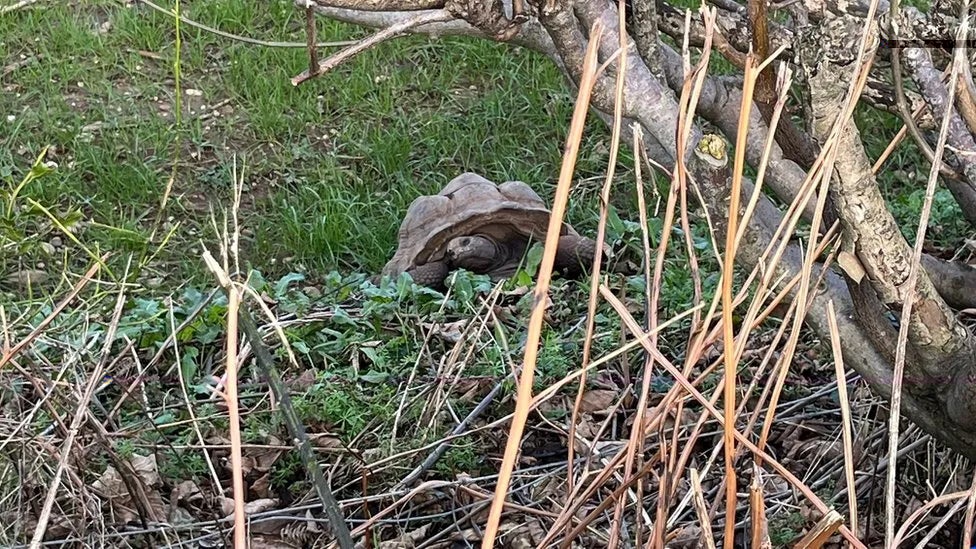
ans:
x=239 y=38
x=728 y=51
x=392 y=31
x=922 y=511
x=310 y=30
x=295 y=428
x=822 y=531
x=845 y=413
x=212 y=110
x=17 y=6
x=700 y=509
x=757 y=509
x=431 y=459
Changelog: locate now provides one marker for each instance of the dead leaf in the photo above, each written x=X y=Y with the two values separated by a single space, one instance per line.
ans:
x=450 y=332
x=302 y=382
x=687 y=538
x=226 y=506
x=262 y=486
x=598 y=400
x=186 y=491
x=179 y=515
x=324 y=440
x=528 y=535
x=259 y=459
x=554 y=407
x=587 y=429
x=260 y=505
x=408 y=540
x=145 y=467
x=111 y=484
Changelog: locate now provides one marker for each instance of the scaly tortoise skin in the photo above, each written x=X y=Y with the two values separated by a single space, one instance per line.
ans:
x=476 y=225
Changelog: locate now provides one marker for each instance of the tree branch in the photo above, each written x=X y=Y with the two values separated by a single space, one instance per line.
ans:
x=375 y=5
x=943 y=345
x=860 y=352
x=422 y=18
x=918 y=63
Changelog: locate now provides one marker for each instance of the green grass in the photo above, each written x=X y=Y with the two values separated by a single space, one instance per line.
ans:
x=330 y=166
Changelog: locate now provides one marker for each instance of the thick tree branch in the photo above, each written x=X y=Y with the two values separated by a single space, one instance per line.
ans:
x=646 y=99
x=645 y=34
x=376 y=5
x=529 y=34
x=859 y=349
x=955 y=281
x=944 y=347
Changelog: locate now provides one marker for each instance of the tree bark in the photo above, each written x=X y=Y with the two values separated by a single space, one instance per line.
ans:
x=941 y=365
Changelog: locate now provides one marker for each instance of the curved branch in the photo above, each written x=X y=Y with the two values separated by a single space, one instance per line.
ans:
x=859 y=349
x=955 y=281
x=918 y=62
x=376 y=5
x=945 y=348
x=530 y=34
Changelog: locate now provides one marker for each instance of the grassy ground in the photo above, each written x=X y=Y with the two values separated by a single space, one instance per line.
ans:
x=329 y=166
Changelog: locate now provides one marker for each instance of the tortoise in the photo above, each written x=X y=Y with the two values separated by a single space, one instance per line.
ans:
x=476 y=225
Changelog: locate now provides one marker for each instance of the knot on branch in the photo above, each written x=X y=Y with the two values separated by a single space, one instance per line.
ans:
x=833 y=44
x=710 y=167
x=488 y=16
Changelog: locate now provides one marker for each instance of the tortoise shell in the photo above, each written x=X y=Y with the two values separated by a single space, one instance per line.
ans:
x=468 y=205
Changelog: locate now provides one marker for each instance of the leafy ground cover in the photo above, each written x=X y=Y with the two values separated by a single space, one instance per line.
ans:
x=117 y=142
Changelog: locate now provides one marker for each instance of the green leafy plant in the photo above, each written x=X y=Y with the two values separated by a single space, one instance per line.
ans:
x=26 y=224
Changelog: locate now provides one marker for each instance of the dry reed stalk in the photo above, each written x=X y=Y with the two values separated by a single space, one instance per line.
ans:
x=601 y=232
x=910 y=284
x=523 y=399
x=728 y=262
x=812 y=497
x=845 y=413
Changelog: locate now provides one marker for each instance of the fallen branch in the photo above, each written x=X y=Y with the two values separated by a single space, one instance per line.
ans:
x=17 y=6
x=437 y=16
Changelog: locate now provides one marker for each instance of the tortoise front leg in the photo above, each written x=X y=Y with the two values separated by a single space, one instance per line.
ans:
x=574 y=255
x=430 y=274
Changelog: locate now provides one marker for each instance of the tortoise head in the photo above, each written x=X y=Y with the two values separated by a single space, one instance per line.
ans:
x=476 y=253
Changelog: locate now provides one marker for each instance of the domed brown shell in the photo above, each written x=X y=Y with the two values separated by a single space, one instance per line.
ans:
x=469 y=204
